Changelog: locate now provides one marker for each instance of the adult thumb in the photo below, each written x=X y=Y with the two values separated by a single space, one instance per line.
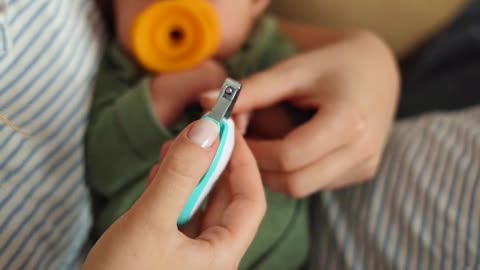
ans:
x=186 y=161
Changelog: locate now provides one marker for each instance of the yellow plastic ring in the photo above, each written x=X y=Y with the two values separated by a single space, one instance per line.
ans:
x=175 y=35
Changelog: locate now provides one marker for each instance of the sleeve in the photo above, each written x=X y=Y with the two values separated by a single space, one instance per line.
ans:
x=123 y=138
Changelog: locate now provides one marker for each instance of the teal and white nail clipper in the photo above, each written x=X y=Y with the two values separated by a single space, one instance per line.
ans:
x=220 y=115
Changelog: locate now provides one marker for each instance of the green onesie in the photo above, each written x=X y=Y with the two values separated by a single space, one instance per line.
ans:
x=124 y=139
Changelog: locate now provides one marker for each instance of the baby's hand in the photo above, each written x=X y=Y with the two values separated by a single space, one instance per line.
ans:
x=171 y=93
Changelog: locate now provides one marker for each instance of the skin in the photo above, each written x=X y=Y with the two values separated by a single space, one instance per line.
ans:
x=236 y=19
x=147 y=237
x=354 y=96
x=350 y=80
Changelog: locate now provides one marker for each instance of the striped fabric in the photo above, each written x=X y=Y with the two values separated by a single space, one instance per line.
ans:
x=49 y=51
x=421 y=212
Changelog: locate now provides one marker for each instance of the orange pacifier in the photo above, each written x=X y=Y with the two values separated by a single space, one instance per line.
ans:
x=174 y=35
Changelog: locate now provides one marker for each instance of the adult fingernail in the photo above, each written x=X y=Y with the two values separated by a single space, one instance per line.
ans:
x=203 y=133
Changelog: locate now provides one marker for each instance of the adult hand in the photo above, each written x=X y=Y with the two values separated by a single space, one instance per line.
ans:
x=352 y=85
x=147 y=237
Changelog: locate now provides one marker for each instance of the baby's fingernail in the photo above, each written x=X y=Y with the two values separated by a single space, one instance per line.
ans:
x=203 y=133
x=212 y=95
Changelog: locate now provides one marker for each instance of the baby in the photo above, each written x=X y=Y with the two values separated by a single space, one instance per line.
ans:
x=134 y=113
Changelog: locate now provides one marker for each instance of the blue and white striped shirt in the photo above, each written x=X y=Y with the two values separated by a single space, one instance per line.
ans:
x=49 y=51
x=422 y=210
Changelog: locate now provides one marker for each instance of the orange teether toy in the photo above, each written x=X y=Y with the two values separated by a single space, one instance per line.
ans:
x=174 y=35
